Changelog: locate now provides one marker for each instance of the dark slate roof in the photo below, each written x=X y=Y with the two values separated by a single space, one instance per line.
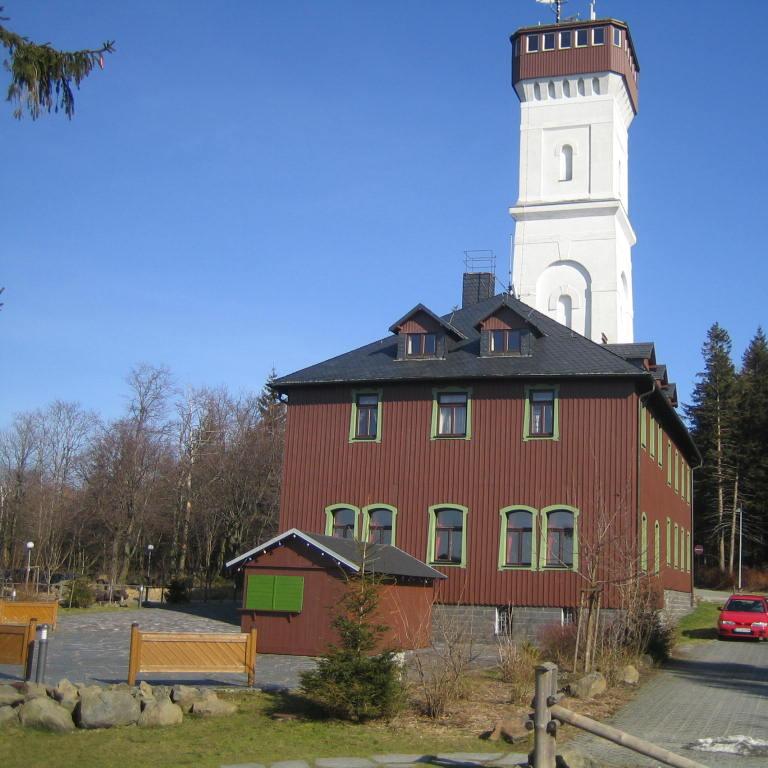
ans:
x=637 y=351
x=559 y=352
x=395 y=327
x=384 y=559
x=660 y=372
x=380 y=558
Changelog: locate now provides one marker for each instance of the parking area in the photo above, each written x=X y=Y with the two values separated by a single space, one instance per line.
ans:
x=93 y=647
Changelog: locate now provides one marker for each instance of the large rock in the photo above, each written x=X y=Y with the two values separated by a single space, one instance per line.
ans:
x=628 y=674
x=589 y=686
x=10 y=696
x=34 y=691
x=106 y=709
x=144 y=694
x=212 y=706
x=511 y=730
x=46 y=714
x=157 y=714
x=570 y=757
x=66 y=694
x=8 y=715
x=186 y=696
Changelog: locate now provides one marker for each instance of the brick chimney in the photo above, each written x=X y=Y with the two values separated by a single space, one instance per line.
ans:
x=477 y=287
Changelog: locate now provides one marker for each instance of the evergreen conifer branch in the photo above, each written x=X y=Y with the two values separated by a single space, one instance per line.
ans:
x=42 y=78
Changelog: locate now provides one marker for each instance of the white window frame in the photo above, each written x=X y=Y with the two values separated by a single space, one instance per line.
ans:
x=544 y=41
x=594 y=29
x=528 y=39
x=576 y=43
x=560 y=39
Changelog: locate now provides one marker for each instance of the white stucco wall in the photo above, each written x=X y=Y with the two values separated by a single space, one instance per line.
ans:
x=573 y=239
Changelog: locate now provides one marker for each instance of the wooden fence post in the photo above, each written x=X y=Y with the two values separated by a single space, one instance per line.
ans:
x=544 y=742
x=250 y=657
x=134 y=654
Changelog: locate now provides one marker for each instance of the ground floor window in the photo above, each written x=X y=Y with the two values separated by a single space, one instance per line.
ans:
x=447 y=535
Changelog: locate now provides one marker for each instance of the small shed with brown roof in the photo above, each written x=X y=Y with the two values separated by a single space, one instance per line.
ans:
x=294 y=583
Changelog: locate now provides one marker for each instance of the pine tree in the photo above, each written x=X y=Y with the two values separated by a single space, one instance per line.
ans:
x=752 y=424
x=712 y=417
x=42 y=78
x=354 y=680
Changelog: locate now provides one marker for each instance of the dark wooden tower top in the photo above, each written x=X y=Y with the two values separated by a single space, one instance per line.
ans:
x=576 y=48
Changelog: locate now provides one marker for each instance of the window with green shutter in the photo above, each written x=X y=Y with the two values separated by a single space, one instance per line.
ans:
x=275 y=593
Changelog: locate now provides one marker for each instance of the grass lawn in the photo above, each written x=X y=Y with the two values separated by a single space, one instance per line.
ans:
x=700 y=625
x=95 y=608
x=249 y=736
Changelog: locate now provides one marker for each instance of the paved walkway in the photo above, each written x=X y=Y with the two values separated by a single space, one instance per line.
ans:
x=93 y=647
x=712 y=689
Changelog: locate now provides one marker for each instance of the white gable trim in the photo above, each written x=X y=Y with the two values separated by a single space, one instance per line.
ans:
x=303 y=536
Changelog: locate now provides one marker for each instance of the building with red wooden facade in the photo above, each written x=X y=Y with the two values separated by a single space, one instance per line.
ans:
x=497 y=446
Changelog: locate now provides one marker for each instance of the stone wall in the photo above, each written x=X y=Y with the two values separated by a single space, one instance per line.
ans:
x=676 y=604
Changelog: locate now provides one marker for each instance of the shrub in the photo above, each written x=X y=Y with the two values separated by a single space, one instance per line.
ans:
x=80 y=594
x=755 y=579
x=517 y=662
x=711 y=577
x=557 y=643
x=441 y=672
x=351 y=681
x=177 y=592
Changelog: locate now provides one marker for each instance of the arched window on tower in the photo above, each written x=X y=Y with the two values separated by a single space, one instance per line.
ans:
x=566 y=162
x=564 y=312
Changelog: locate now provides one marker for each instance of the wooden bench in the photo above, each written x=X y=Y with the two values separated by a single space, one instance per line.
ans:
x=17 y=642
x=191 y=652
x=21 y=611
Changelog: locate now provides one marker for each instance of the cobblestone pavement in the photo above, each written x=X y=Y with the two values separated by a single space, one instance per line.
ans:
x=713 y=689
x=93 y=647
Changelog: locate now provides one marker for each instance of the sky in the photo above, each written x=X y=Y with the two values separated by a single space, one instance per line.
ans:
x=250 y=185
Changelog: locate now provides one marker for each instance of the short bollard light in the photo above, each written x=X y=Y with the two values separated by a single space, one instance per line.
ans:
x=42 y=652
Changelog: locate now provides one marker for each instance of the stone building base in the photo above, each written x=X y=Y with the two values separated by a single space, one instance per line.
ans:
x=676 y=605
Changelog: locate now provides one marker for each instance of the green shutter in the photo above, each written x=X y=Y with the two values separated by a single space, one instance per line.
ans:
x=275 y=593
x=258 y=596
x=289 y=594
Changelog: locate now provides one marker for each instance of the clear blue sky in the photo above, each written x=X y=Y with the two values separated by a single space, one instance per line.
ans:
x=258 y=184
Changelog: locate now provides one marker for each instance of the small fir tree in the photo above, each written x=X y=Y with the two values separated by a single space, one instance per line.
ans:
x=352 y=680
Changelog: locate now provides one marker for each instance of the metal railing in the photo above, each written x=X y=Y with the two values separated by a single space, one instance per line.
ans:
x=548 y=713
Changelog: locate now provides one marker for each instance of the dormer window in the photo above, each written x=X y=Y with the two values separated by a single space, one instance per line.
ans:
x=421 y=345
x=507 y=342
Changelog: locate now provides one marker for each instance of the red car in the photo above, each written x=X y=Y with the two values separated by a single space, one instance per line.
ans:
x=744 y=616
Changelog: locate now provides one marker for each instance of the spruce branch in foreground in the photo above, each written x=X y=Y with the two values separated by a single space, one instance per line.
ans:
x=42 y=78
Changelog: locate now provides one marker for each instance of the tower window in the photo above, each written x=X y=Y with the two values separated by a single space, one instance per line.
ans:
x=551 y=90
x=567 y=89
x=566 y=39
x=582 y=37
x=566 y=163
x=421 y=345
x=598 y=36
x=565 y=311
x=617 y=38
x=532 y=43
x=596 y=86
x=549 y=41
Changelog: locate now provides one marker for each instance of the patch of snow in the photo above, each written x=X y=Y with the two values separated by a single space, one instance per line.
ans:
x=732 y=745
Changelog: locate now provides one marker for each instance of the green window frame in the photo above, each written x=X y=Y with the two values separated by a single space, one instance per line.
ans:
x=432 y=535
x=367 y=520
x=669 y=462
x=434 y=429
x=644 y=542
x=544 y=531
x=669 y=542
x=660 y=445
x=353 y=418
x=268 y=592
x=677 y=547
x=688 y=551
x=527 y=418
x=657 y=547
x=330 y=512
x=643 y=426
x=504 y=515
x=677 y=471
x=652 y=437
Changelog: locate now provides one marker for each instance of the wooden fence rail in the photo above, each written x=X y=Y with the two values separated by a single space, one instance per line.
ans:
x=22 y=611
x=191 y=652
x=547 y=714
x=17 y=642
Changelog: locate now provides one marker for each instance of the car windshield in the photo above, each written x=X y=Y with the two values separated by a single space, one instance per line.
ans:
x=746 y=606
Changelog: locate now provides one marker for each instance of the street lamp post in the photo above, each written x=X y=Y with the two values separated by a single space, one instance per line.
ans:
x=30 y=547
x=740 y=545
x=150 y=550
